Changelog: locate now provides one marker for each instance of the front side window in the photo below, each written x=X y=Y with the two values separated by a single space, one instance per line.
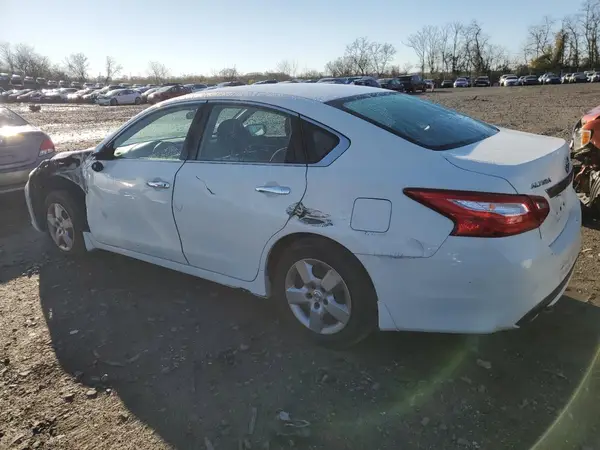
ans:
x=418 y=121
x=157 y=136
x=244 y=133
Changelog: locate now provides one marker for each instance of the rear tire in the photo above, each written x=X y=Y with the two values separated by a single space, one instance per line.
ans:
x=297 y=286
x=65 y=222
x=137 y=100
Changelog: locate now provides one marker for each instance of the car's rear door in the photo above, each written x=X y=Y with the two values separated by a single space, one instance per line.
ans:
x=249 y=173
x=130 y=186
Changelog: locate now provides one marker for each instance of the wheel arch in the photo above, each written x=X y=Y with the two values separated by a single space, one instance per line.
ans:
x=55 y=183
x=284 y=242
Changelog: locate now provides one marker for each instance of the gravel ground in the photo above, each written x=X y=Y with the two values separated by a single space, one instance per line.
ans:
x=106 y=352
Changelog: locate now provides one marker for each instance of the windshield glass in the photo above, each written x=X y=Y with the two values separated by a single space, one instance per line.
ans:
x=418 y=121
x=10 y=119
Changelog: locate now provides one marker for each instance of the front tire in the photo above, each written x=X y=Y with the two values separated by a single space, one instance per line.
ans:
x=113 y=102
x=327 y=292
x=137 y=100
x=65 y=222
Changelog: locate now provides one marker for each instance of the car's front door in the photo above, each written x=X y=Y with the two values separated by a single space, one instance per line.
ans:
x=130 y=185
x=249 y=174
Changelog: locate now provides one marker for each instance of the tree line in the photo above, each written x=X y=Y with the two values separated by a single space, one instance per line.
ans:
x=566 y=44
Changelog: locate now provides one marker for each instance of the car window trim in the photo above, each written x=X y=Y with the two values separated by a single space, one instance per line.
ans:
x=107 y=150
x=244 y=104
x=336 y=152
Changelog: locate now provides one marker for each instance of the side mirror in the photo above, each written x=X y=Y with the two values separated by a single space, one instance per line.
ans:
x=256 y=129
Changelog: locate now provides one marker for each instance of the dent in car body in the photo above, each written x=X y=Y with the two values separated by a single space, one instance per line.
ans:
x=309 y=216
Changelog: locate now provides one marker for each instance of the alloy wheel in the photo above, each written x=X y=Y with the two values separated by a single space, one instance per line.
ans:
x=60 y=226
x=318 y=296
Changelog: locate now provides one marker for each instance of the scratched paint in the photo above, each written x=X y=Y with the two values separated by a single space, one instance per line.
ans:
x=309 y=216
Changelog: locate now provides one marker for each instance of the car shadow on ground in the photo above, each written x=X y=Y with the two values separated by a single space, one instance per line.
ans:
x=191 y=359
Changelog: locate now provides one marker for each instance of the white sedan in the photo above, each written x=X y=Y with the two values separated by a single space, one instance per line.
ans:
x=358 y=208
x=461 y=82
x=120 y=97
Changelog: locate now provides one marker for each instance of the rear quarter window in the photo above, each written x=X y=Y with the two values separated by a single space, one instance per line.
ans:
x=418 y=121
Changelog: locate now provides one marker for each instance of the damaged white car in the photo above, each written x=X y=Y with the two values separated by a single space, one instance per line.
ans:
x=358 y=208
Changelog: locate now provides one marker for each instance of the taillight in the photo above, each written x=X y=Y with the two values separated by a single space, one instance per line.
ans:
x=46 y=147
x=481 y=214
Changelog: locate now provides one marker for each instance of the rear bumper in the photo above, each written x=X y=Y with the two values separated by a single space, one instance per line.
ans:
x=475 y=285
x=12 y=180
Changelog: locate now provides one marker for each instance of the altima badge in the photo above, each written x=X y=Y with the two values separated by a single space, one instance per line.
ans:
x=567 y=164
x=537 y=184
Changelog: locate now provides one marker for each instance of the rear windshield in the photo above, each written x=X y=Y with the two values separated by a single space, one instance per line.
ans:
x=10 y=119
x=418 y=121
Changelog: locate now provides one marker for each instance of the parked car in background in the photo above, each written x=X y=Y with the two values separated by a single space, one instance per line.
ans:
x=393 y=84
x=332 y=80
x=578 y=77
x=16 y=81
x=4 y=80
x=196 y=87
x=430 y=84
x=529 y=80
x=503 y=77
x=77 y=96
x=511 y=80
x=447 y=84
x=31 y=96
x=76 y=84
x=167 y=92
x=12 y=97
x=593 y=77
x=119 y=97
x=22 y=148
x=267 y=82
x=29 y=82
x=41 y=82
x=325 y=241
x=564 y=79
x=482 y=82
x=413 y=83
x=366 y=81
x=150 y=91
x=549 y=78
x=52 y=84
x=461 y=83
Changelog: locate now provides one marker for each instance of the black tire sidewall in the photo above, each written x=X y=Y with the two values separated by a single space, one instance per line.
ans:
x=363 y=317
x=66 y=200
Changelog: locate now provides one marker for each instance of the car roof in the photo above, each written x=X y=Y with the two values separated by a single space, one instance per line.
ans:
x=320 y=92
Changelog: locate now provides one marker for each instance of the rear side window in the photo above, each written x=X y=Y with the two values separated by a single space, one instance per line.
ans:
x=418 y=121
x=10 y=119
x=318 y=142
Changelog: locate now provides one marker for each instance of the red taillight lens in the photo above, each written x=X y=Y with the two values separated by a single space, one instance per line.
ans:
x=46 y=147
x=480 y=214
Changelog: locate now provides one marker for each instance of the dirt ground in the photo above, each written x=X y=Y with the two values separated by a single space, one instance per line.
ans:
x=106 y=352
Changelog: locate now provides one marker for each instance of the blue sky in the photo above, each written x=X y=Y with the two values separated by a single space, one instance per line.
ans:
x=199 y=36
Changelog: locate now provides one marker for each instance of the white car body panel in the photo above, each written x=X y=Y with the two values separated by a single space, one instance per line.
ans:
x=123 y=211
x=219 y=202
x=425 y=279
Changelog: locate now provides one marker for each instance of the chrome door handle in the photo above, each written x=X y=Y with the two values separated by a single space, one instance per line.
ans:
x=277 y=190
x=158 y=184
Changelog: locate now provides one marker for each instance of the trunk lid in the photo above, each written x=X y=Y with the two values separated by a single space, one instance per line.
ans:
x=19 y=146
x=532 y=164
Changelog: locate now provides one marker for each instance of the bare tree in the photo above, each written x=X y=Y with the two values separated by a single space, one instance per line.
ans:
x=539 y=38
x=359 y=54
x=432 y=45
x=571 y=27
x=407 y=67
x=340 y=67
x=310 y=74
x=476 y=42
x=111 y=68
x=381 y=55
x=456 y=32
x=418 y=42
x=7 y=57
x=24 y=60
x=157 y=71
x=287 y=67
x=77 y=65
x=229 y=73
x=589 y=23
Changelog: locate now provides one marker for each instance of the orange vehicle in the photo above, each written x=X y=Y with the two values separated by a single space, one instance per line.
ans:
x=585 y=153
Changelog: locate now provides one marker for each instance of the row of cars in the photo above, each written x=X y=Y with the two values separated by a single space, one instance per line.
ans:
x=16 y=81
